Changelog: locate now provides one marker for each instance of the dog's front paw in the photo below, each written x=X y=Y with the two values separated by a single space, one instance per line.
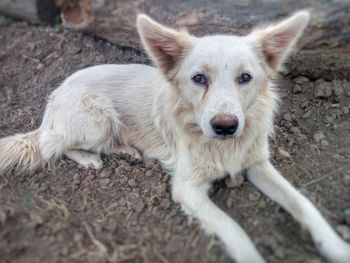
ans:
x=338 y=253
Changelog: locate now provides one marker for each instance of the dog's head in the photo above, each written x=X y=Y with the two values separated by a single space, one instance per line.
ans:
x=221 y=76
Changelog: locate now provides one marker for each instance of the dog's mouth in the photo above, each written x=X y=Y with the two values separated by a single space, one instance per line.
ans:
x=224 y=137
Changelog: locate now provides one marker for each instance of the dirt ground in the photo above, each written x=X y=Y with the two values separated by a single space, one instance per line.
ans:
x=124 y=212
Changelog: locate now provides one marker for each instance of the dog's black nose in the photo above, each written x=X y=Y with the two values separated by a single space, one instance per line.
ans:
x=224 y=124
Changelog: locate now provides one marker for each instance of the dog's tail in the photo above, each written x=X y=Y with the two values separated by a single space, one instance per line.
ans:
x=30 y=151
x=20 y=152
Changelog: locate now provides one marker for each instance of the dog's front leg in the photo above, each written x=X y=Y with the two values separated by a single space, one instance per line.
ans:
x=271 y=183
x=194 y=199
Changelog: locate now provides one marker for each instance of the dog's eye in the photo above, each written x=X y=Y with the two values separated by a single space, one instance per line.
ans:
x=244 y=78
x=200 y=79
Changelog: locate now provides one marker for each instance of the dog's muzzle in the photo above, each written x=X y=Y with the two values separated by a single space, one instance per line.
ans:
x=224 y=124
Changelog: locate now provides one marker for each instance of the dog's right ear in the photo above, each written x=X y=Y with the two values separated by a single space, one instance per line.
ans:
x=165 y=46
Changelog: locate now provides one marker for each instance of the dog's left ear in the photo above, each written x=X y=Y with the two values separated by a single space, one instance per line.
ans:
x=165 y=45
x=276 y=41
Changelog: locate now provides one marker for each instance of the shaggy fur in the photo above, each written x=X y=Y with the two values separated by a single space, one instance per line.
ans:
x=166 y=115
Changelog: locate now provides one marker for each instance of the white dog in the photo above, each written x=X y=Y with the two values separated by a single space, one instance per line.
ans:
x=206 y=111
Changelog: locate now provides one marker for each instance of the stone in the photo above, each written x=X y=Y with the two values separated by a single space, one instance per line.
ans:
x=318 y=136
x=323 y=89
x=282 y=154
x=337 y=88
x=234 y=181
x=324 y=143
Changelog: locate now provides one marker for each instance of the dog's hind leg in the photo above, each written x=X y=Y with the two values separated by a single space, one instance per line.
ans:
x=85 y=159
x=270 y=182
x=194 y=199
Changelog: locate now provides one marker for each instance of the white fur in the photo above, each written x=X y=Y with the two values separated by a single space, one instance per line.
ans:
x=163 y=113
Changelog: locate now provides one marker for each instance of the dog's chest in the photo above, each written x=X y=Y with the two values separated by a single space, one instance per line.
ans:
x=212 y=162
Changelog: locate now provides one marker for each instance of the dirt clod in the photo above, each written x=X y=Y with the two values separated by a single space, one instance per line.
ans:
x=323 y=89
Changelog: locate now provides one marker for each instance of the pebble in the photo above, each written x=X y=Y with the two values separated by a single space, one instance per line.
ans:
x=322 y=89
x=165 y=202
x=149 y=173
x=287 y=117
x=119 y=170
x=301 y=80
x=282 y=154
x=149 y=163
x=345 y=110
x=295 y=130
x=347 y=216
x=254 y=196
x=324 y=143
x=76 y=179
x=40 y=66
x=337 y=88
x=123 y=179
x=105 y=182
x=132 y=183
x=318 y=136
x=139 y=205
x=234 y=181
x=300 y=83
x=297 y=89
x=72 y=50
x=229 y=202
x=104 y=174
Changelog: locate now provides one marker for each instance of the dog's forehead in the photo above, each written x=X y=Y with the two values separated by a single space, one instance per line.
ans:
x=222 y=50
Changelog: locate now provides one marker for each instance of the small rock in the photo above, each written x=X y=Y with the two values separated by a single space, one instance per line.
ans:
x=295 y=130
x=345 y=110
x=344 y=231
x=72 y=50
x=301 y=80
x=35 y=219
x=119 y=170
x=89 y=178
x=304 y=104
x=132 y=183
x=234 y=181
x=324 y=143
x=287 y=117
x=301 y=83
x=337 y=88
x=149 y=163
x=282 y=154
x=307 y=114
x=123 y=179
x=318 y=136
x=229 y=202
x=105 y=182
x=149 y=173
x=40 y=66
x=347 y=216
x=104 y=174
x=254 y=196
x=76 y=179
x=322 y=89
x=297 y=89
x=139 y=205
x=165 y=203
